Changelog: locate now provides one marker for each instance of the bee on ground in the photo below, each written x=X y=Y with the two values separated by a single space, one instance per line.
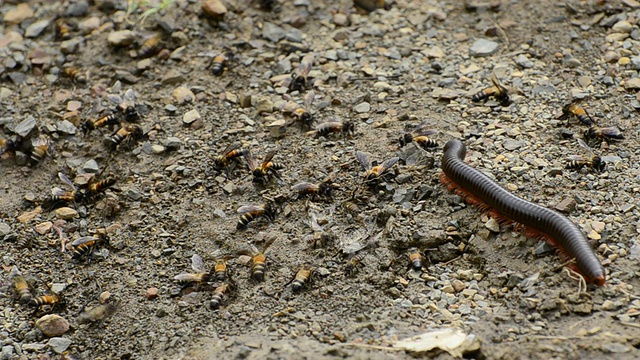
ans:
x=416 y=259
x=61 y=197
x=219 y=63
x=103 y=121
x=84 y=247
x=332 y=127
x=258 y=259
x=129 y=133
x=606 y=133
x=573 y=109
x=249 y=213
x=303 y=278
x=39 y=148
x=420 y=135
x=324 y=189
x=300 y=114
x=200 y=277
x=51 y=299
x=221 y=293
x=220 y=270
x=75 y=74
x=320 y=238
x=577 y=162
x=374 y=173
x=299 y=78
x=7 y=148
x=22 y=288
x=125 y=105
x=261 y=171
x=497 y=91
x=231 y=153
x=150 y=46
x=354 y=262
x=96 y=187
x=63 y=29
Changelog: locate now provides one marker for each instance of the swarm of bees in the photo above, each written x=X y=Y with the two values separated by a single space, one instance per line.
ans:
x=61 y=197
x=36 y=148
x=595 y=132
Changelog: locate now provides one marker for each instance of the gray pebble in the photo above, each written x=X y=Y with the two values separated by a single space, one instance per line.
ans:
x=483 y=47
x=190 y=116
x=77 y=9
x=33 y=347
x=7 y=352
x=133 y=194
x=511 y=144
x=170 y=109
x=70 y=46
x=172 y=143
x=272 y=32
x=35 y=29
x=121 y=38
x=59 y=344
x=26 y=126
x=5 y=229
x=363 y=107
x=524 y=61
x=67 y=128
x=635 y=62
x=91 y=166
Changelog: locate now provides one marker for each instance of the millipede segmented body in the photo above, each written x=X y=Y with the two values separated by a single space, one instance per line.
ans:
x=553 y=226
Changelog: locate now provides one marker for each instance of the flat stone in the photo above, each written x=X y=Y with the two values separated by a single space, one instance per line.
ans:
x=5 y=229
x=66 y=127
x=42 y=228
x=214 y=9
x=59 y=344
x=622 y=27
x=483 y=47
x=273 y=32
x=91 y=166
x=52 y=325
x=613 y=37
x=70 y=46
x=26 y=126
x=492 y=225
x=632 y=84
x=35 y=29
x=524 y=61
x=66 y=213
x=121 y=38
x=190 y=116
x=566 y=206
x=182 y=94
x=90 y=24
x=172 y=77
x=18 y=14
x=363 y=107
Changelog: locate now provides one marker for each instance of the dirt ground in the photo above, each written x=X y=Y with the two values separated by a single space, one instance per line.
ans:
x=386 y=72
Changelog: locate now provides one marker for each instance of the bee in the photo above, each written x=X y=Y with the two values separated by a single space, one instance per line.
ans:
x=21 y=286
x=84 y=246
x=60 y=197
x=201 y=275
x=415 y=259
x=250 y=212
x=107 y=120
x=75 y=74
x=232 y=152
x=354 y=263
x=7 y=147
x=96 y=187
x=221 y=293
x=299 y=79
x=63 y=29
x=219 y=63
x=220 y=270
x=607 y=133
x=304 y=277
x=325 y=189
x=150 y=46
x=258 y=259
x=39 y=148
x=420 y=136
x=332 y=127
x=261 y=171
x=52 y=299
x=300 y=113
x=498 y=91
x=577 y=111
x=128 y=132
x=371 y=5
x=577 y=162
x=351 y=207
x=125 y=105
x=374 y=173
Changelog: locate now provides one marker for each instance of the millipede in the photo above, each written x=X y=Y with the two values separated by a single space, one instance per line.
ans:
x=534 y=220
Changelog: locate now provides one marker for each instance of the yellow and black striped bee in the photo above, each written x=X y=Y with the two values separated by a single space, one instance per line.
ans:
x=52 y=299
x=201 y=275
x=497 y=91
x=7 y=148
x=577 y=111
x=303 y=278
x=299 y=78
x=150 y=46
x=95 y=187
x=125 y=105
x=83 y=247
x=220 y=271
x=21 y=286
x=415 y=259
x=250 y=212
x=354 y=262
x=219 y=63
x=577 y=162
x=374 y=173
x=130 y=133
x=221 y=293
x=261 y=171
x=231 y=153
x=39 y=148
x=299 y=113
x=75 y=74
x=420 y=135
x=325 y=188
x=606 y=133
x=61 y=197
x=107 y=120
x=258 y=259
x=63 y=29
x=333 y=127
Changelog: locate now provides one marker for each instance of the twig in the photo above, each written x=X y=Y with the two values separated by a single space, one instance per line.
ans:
x=582 y=284
x=375 y=347
x=630 y=324
x=452 y=260
x=504 y=34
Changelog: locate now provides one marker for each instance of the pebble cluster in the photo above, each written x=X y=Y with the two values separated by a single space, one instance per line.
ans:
x=387 y=251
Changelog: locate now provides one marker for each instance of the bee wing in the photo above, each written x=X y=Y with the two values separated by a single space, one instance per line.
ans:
x=197 y=264
x=496 y=82
x=586 y=147
x=115 y=99
x=249 y=208
x=611 y=131
x=303 y=185
x=268 y=158
x=576 y=158
x=83 y=240
x=305 y=65
x=387 y=164
x=267 y=244
x=185 y=277
x=308 y=99
x=425 y=132
x=66 y=180
x=250 y=161
x=231 y=147
x=56 y=191
x=363 y=159
x=130 y=96
x=40 y=141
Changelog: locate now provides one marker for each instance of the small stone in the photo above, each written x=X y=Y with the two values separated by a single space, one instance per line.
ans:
x=26 y=126
x=245 y=100
x=18 y=14
x=214 y=9
x=524 y=61
x=5 y=229
x=632 y=84
x=172 y=77
x=492 y=225
x=77 y=9
x=30 y=215
x=59 y=344
x=7 y=352
x=66 y=127
x=181 y=94
x=597 y=226
x=152 y=293
x=190 y=116
x=611 y=56
x=172 y=143
x=35 y=29
x=265 y=105
x=52 y=325
x=104 y=297
x=157 y=149
x=435 y=52
x=121 y=38
x=624 y=61
x=458 y=285
x=66 y=213
x=609 y=305
x=593 y=235
x=483 y=47
x=88 y=25
x=567 y=205
x=70 y=46
x=614 y=37
x=340 y=19
x=584 y=81
x=91 y=166
x=272 y=32
x=448 y=289
x=33 y=347
x=170 y=109
x=363 y=107
x=635 y=62
x=41 y=228
x=622 y=27
x=631 y=3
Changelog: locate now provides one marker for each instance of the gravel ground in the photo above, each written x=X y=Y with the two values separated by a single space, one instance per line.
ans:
x=386 y=71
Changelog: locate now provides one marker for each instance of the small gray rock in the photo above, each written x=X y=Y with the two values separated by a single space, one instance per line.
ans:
x=59 y=344
x=511 y=145
x=363 y=107
x=172 y=143
x=524 y=61
x=33 y=347
x=77 y=9
x=26 y=126
x=190 y=116
x=5 y=229
x=483 y=47
x=635 y=62
x=134 y=194
x=70 y=46
x=121 y=38
x=35 y=29
x=7 y=352
x=67 y=128
x=272 y=32
x=91 y=166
